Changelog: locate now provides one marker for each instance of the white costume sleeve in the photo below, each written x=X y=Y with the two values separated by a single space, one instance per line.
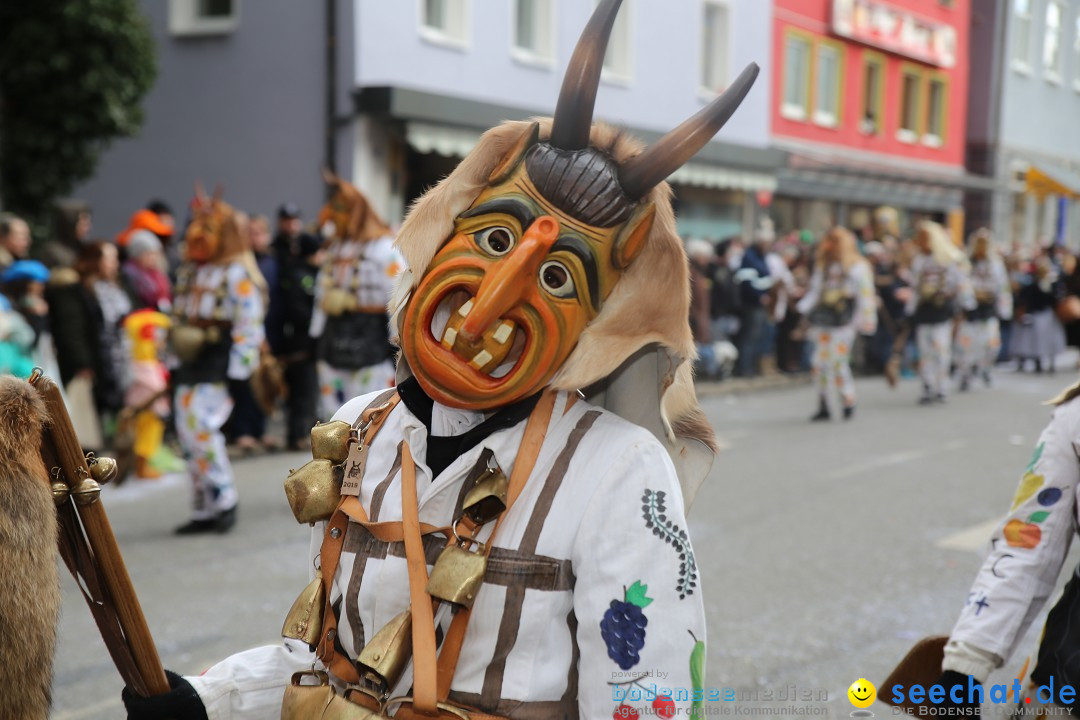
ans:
x=250 y=685
x=1028 y=549
x=248 y=331
x=318 y=315
x=916 y=279
x=638 y=597
x=865 y=299
x=813 y=293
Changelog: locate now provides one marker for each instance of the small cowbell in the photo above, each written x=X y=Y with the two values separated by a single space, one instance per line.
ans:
x=457 y=575
x=486 y=500
x=330 y=441
x=314 y=490
x=304 y=621
x=386 y=655
x=103 y=470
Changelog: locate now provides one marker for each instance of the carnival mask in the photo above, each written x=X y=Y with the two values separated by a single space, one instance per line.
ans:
x=347 y=215
x=529 y=264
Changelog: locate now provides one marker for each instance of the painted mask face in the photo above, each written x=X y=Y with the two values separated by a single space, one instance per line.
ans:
x=203 y=237
x=502 y=304
x=344 y=214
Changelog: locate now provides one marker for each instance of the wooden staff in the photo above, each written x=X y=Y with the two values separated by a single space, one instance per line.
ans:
x=106 y=558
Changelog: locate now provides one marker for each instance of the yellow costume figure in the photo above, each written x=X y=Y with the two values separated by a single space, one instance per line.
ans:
x=146 y=396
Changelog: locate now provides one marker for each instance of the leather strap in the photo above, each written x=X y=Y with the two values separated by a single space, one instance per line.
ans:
x=531 y=442
x=372 y=419
x=423 y=619
x=389 y=531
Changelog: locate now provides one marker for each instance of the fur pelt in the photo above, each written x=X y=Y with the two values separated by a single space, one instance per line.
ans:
x=650 y=303
x=29 y=585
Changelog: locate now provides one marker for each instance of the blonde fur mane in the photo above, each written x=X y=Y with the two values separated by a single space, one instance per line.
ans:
x=650 y=303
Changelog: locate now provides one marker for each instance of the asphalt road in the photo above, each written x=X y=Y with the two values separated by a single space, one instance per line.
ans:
x=825 y=550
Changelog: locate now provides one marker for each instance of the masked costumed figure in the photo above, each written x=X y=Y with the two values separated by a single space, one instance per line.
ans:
x=979 y=339
x=505 y=546
x=1018 y=576
x=350 y=322
x=941 y=289
x=145 y=397
x=839 y=303
x=218 y=329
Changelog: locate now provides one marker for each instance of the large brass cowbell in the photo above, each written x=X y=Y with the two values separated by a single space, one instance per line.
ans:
x=304 y=621
x=457 y=575
x=385 y=656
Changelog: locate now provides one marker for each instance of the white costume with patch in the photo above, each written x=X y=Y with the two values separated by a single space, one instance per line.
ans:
x=600 y=518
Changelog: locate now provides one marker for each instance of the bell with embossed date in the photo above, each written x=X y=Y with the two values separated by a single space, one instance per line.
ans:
x=304 y=621
x=457 y=575
x=330 y=441
x=486 y=500
x=386 y=655
x=314 y=490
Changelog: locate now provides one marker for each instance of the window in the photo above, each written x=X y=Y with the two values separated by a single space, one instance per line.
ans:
x=910 y=91
x=534 y=41
x=873 y=86
x=1052 y=44
x=935 y=111
x=617 y=58
x=445 y=22
x=1076 y=56
x=796 y=101
x=1021 y=56
x=203 y=17
x=827 y=85
x=714 y=45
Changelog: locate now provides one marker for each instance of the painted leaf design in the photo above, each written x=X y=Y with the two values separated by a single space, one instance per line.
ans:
x=635 y=595
x=1038 y=517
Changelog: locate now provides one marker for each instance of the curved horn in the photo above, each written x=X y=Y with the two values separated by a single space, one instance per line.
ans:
x=642 y=173
x=573 y=113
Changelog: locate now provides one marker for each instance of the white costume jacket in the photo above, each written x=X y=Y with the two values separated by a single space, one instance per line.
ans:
x=1027 y=552
x=594 y=551
x=366 y=270
x=856 y=285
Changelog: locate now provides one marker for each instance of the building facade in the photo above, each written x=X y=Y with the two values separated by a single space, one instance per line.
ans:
x=870 y=102
x=1025 y=99
x=431 y=75
x=240 y=100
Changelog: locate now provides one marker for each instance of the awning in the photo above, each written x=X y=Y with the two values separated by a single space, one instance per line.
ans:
x=1042 y=182
x=451 y=141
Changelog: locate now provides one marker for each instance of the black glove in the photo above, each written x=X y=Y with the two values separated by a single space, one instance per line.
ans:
x=180 y=703
x=950 y=679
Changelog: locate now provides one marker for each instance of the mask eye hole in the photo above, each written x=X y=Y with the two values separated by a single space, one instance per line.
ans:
x=495 y=241
x=555 y=278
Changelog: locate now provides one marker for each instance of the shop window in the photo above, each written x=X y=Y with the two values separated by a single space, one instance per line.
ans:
x=1052 y=42
x=1021 y=48
x=910 y=100
x=829 y=72
x=715 y=42
x=445 y=22
x=796 y=99
x=873 y=87
x=617 y=58
x=534 y=39
x=203 y=17
x=935 y=111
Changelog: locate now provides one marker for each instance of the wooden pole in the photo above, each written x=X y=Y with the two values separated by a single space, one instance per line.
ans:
x=84 y=492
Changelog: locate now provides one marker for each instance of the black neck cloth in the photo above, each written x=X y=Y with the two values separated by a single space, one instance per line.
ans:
x=441 y=451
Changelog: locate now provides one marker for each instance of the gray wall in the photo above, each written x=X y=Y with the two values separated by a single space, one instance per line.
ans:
x=665 y=52
x=244 y=109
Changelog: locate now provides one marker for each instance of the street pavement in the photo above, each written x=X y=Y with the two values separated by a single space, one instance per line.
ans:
x=825 y=550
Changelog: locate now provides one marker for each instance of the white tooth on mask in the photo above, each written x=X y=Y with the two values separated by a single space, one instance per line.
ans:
x=481 y=359
x=465 y=309
x=503 y=333
x=449 y=336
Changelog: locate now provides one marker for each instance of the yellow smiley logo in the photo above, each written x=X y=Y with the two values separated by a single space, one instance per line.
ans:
x=862 y=693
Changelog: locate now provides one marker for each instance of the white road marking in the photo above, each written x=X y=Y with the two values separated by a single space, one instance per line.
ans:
x=972 y=539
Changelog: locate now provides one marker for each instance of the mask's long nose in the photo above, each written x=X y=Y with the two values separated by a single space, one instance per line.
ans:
x=505 y=284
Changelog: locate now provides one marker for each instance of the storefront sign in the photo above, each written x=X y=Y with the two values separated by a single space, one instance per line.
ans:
x=895 y=30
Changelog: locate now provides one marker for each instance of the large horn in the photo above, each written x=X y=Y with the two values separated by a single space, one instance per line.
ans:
x=573 y=113
x=642 y=173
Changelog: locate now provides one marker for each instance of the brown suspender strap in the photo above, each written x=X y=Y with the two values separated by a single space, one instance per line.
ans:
x=531 y=442
x=423 y=618
x=371 y=420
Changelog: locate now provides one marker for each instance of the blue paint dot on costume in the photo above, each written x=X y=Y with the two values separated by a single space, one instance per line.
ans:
x=1049 y=496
